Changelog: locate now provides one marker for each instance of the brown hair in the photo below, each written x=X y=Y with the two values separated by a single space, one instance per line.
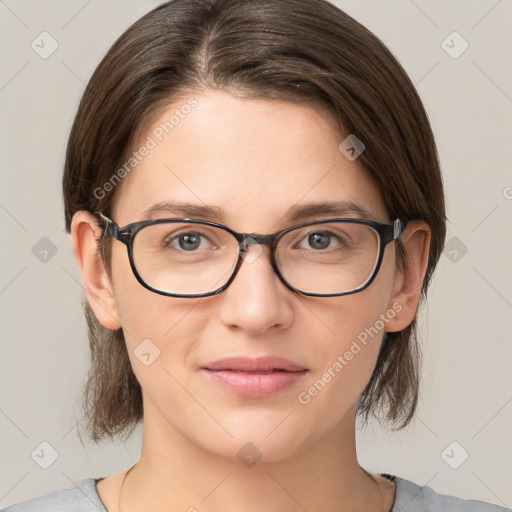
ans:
x=292 y=50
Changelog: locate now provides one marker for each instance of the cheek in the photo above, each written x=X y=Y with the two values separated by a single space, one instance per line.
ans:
x=350 y=351
x=149 y=320
x=160 y=332
x=141 y=311
x=354 y=328
x=346 y=366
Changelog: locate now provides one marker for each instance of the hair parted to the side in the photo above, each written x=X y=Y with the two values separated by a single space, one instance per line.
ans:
x=304 y=51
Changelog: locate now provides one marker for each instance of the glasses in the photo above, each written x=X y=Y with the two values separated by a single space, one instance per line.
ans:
x=183 y=257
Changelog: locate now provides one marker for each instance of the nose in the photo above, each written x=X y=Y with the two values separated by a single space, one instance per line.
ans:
x=256 y=300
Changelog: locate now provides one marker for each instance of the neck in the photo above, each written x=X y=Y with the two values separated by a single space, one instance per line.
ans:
x=175 y=474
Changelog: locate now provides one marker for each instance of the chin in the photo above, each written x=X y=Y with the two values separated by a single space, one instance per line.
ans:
x=267 y=439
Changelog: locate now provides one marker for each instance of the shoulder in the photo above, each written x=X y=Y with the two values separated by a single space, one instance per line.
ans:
x=82 y=498
x=411 y=497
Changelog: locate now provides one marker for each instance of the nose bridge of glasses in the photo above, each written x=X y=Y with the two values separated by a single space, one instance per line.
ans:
x=256 y=239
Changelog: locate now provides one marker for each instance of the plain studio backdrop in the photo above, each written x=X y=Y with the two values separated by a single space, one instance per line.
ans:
x=457 y=53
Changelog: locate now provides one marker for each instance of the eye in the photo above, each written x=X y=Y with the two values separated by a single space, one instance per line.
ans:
x=320 y=240
x=186 y=241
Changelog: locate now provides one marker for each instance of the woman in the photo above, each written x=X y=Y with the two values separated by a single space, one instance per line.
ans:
x=256 y=208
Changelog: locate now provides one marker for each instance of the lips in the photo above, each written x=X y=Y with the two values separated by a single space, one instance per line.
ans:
x=259 y=364
x=254 y=377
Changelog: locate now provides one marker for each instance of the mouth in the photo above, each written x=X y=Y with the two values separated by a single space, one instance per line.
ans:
x=254 y=378
x=257 y=364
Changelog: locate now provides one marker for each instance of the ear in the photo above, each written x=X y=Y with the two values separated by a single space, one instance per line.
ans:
x=84 y=234
x=407 y=287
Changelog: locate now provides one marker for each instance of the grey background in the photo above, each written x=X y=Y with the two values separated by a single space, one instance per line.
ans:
x=466 y=391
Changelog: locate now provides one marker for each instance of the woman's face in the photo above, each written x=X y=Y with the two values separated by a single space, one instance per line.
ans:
x=254 y=160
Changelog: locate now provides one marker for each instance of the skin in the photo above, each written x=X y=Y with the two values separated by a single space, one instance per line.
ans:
x=254 y=159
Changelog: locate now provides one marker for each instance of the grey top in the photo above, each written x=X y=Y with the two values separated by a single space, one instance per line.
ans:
x=409 y=497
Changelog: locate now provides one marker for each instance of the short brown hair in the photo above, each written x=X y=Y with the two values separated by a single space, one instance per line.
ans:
x=292 y=50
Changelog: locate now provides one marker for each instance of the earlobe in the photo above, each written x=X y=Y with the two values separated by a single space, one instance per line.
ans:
x=84 y=234
x=407 y=291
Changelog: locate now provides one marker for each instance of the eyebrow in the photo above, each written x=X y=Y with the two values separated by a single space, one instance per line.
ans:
x=294 y=214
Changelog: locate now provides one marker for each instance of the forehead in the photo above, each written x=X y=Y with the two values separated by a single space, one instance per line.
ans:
x=252 y=160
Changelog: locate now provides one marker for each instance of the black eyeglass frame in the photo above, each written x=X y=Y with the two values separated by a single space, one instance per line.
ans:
x=387 y=233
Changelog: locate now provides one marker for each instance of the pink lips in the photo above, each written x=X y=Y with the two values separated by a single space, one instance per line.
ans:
x=254 y=377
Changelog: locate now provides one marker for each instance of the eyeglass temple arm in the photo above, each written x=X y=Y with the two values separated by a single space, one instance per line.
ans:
x=398 y=228
x=112 y=227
